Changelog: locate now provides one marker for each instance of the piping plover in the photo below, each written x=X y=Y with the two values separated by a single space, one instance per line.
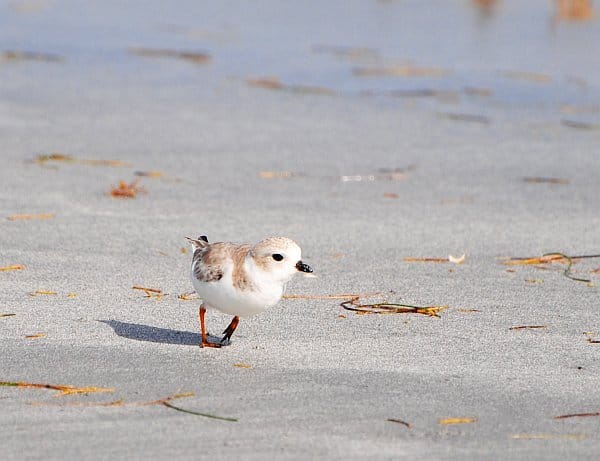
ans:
x=242 y=280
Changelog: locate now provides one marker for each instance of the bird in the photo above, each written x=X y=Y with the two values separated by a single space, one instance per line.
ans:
x=242 y=279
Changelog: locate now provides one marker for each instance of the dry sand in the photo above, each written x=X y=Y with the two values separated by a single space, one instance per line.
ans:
x=322 y=382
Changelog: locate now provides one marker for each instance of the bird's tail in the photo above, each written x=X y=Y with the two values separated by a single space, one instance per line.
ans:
x=199 y=243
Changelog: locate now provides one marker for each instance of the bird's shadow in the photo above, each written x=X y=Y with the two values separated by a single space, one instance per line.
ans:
x=155 y=334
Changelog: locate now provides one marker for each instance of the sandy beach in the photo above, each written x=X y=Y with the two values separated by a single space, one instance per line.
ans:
x=465 y=159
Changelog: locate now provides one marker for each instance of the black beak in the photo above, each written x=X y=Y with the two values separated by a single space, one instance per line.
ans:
x=303 y=267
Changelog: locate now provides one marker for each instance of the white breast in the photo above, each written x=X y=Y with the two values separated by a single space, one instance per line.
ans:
x=223 y=296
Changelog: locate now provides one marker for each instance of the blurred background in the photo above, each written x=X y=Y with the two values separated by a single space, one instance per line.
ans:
x=477 y=59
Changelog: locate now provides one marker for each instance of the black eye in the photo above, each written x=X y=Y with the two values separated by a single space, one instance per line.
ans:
x=277 y=257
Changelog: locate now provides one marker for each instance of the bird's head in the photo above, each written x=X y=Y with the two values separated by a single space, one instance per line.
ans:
x=279 y=257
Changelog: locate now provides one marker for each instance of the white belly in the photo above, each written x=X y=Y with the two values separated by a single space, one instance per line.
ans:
x=221 y=295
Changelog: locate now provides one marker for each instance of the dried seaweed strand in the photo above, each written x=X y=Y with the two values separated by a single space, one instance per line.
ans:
x=553 y=257
x=391 y=308
x=567 y=271
x=121 y=403
x=546 y=258
x=63 y=389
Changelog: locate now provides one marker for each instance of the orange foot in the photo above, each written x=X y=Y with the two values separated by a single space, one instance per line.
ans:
x=209 y=344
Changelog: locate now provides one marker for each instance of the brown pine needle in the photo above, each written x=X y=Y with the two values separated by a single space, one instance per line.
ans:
x=35 y=336
x=527 y=327
x=336 y=296
x=43 y=292
x=64 y=158
x=577 y=415
x=242 y=365
x=399 y=421
x=63 y=389
x=13 y=267
x=28 y=217
x=411 y=259
x=151 y=290
x=449 y=421
x=7 y=315
x=195 y=57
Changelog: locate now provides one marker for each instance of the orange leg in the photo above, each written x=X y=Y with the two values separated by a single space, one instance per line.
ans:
x=230 y=329
x=205 y=342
